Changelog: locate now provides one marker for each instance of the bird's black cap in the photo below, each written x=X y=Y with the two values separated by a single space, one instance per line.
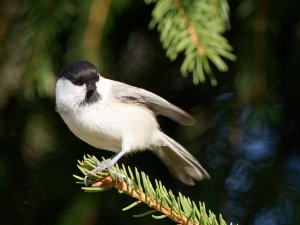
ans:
x=80 y=73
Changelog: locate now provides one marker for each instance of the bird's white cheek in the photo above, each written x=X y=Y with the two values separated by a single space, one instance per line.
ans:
x=68 y=95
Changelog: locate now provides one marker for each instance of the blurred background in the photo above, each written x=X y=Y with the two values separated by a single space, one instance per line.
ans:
x=247 y=134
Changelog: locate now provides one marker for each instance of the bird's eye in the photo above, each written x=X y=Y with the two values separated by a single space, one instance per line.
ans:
x=78 y=82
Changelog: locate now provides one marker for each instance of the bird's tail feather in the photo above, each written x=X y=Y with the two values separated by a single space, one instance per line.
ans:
x=180 y=162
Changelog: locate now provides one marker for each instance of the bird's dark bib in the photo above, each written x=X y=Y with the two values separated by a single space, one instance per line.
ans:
x=91 y=97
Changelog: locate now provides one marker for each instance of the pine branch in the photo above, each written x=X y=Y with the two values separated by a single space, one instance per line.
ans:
x=137 y=184
x=194 y=28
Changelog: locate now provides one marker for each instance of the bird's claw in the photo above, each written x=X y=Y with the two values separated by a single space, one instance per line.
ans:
x=101 y=166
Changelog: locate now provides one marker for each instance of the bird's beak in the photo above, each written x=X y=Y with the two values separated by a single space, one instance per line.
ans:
x=90 y=87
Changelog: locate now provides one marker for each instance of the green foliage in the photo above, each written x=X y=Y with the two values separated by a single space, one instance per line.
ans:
x=194 y=28
x=137 y=184
x=33 y=49
x=39 y=72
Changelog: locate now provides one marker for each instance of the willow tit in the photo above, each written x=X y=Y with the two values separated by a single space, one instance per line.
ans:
x=114 y=116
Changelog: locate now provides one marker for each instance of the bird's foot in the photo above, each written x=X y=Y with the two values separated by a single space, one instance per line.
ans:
x=101 y=166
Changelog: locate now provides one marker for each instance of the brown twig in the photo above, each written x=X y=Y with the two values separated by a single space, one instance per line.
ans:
x=191 y=28
x=134 y=192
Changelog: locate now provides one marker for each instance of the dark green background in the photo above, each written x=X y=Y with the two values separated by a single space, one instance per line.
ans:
x=247 y=135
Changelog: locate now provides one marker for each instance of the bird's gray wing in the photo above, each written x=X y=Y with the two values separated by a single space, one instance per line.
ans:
x=130 y=94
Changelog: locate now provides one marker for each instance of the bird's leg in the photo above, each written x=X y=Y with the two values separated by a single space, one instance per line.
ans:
x=106 y=164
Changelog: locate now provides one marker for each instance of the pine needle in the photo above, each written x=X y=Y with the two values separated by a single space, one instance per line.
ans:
x=178 y=208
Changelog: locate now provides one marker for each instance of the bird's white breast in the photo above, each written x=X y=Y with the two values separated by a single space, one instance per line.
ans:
x=109 y=124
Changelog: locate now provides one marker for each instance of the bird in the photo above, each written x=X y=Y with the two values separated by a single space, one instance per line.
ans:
x=121 y=118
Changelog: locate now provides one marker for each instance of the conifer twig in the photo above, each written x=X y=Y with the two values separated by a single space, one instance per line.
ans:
x=194 y=29
x=191 y=28
x=137 y=184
